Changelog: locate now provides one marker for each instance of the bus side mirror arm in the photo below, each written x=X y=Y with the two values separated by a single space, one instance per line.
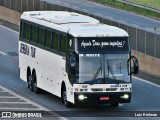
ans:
x=135 y=65
x=71 y=65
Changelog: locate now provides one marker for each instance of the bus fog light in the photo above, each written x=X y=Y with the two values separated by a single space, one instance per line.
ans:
x=125 y=96
x=82 y=97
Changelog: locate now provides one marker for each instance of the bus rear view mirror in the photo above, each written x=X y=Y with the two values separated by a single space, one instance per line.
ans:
x=72 y=62
x=135 y=65
x=72 y=65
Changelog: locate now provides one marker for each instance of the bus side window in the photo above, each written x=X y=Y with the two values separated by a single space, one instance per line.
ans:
x=55 y=41
x=27 y=30
x=63 y=43
x=41 y=36
x=21 y=29
x=47 y=41
x=52 y=41
x=34 y=33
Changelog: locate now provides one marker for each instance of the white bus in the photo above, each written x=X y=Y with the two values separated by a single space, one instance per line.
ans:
x=76 y=58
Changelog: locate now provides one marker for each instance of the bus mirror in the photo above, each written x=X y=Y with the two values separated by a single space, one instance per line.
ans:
x=135 y=65
x=72 y=65
x=72 y=62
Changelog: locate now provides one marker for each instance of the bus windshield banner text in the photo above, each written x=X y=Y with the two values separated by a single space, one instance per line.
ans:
x=108 y=44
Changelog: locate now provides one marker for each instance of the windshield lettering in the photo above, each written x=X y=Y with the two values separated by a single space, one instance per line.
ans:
x=94 y=43
x=85 y=44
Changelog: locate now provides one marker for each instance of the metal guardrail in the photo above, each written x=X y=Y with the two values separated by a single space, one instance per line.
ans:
x=141 y=40
x=139 y=6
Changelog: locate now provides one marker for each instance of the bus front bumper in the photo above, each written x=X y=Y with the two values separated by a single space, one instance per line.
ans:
x=102 y=98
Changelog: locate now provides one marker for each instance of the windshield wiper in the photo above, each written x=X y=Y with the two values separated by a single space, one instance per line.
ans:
x=96 y=74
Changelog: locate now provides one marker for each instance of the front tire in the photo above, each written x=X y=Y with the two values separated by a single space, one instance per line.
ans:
x=64 y=99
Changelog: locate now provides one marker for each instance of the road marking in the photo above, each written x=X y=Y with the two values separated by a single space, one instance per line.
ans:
x=2 y=53
x=58 y=1
x=67 y=4
x=99 y=14
x=14 y=103
x=146 y=81
x=122 y=21
x=7 y=97
x=135 y=25
x=18 y=96
x=75 y=7
x=85 y=10
x=150 y=29
x=39 y=107
x=28 y=109
x=3 y=91
x=109 y=17
x=9 y=29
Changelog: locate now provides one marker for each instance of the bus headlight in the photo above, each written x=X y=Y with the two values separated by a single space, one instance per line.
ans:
x=125 y=96
x=82 y=97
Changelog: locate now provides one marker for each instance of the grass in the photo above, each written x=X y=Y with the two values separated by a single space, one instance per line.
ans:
x=132 y=8
x=150 y=3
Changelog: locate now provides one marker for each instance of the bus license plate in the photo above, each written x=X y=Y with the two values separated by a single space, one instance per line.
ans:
x=104 y=98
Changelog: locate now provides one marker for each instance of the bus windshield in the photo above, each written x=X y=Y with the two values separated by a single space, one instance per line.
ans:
x=103 y=69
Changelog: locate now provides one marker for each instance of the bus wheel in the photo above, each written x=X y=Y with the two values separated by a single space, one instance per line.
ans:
x=114 y=104
x=30 y=83
x=29 y=78
x=64 y=98
x=35 y=88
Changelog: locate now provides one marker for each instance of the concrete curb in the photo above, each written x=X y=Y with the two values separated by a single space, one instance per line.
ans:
x=9 y=15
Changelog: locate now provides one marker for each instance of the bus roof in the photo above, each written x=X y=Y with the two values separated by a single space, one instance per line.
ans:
x=75 y=24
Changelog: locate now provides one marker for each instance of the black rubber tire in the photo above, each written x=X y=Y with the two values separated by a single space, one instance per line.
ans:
x=29 y=77
x=34 y=83
x=30 y=83
x=64 y=99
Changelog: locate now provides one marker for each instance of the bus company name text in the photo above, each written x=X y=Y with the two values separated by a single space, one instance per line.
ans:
x=27 y=50
x=102 y=44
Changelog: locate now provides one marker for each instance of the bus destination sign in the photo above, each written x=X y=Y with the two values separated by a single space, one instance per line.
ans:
x=104 y=44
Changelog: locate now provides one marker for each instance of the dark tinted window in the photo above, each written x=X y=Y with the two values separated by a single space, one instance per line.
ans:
x=47 y=38
x=21 y=29
x=41 y=36
x=27 y=29
x=34 y=33
x=63 y=43
x=55 y=41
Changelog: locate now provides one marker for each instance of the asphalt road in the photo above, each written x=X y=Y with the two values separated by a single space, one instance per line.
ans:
x=146 y=97
x=110 y=13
